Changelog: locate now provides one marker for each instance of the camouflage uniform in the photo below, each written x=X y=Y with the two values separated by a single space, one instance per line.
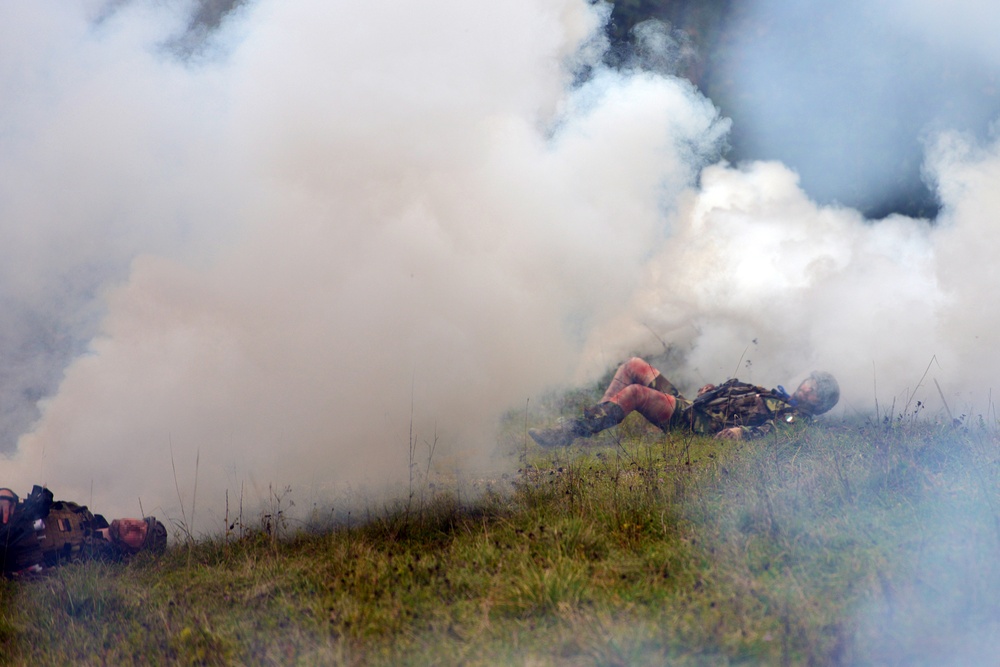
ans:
x=755 y=410
x=44 y=533
x=639 y=387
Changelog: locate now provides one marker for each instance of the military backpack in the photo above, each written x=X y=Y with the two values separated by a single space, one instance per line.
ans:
x=735 y=403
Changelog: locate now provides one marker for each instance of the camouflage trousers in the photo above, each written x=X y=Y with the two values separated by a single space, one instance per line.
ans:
x=632 y=388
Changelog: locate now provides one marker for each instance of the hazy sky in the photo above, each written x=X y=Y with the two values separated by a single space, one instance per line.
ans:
x=339 y=226
x=848 y=93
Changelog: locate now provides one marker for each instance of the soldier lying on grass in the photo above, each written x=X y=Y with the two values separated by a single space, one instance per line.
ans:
x=734 y=410
x=40 y=533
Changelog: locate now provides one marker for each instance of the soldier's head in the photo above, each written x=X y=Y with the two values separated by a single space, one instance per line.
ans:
x=156 y=536
x=135 y=535
x=818 y=393
x=8 y=501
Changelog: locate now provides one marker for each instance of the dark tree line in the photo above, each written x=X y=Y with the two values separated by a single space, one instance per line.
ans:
x=703 y=33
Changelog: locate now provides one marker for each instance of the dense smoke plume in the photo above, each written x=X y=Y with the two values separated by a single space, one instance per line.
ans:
x=331 y=238
x=327 y=230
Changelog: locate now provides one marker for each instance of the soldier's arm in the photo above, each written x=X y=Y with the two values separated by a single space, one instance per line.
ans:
x=754 y=432
x=745 y=432
x=779 y=413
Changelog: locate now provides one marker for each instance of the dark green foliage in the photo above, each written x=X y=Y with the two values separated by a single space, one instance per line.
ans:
x=698 y=19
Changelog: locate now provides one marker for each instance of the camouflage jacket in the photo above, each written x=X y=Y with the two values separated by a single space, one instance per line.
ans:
x=44 y=533
x=753 y=409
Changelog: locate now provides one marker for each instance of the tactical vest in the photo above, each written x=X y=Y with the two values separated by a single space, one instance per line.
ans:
x=70 y=533
x=736 y=403
x=45 y=533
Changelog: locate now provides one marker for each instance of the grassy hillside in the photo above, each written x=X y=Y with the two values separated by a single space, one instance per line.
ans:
x=857 y=543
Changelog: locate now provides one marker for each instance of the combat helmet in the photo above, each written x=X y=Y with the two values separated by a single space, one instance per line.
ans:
x=827 y=392
x=156 y=537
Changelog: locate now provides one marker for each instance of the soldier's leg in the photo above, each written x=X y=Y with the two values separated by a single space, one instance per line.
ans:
x=638 y=371
x=632 y=388
x=594 y=420
x=656 y=406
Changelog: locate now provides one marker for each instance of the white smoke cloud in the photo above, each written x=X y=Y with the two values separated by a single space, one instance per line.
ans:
x=760 y=282
x=371 y=221
x=97 y=134
x=368 y=221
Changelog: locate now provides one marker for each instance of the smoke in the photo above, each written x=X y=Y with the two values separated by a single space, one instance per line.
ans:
x=766 y=276
x=759 y=281
x=97 y=136
x=354 y=227
x=847 y=93
x=333 y=230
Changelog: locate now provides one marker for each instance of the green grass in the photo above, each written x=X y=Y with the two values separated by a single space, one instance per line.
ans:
x=860 y=544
